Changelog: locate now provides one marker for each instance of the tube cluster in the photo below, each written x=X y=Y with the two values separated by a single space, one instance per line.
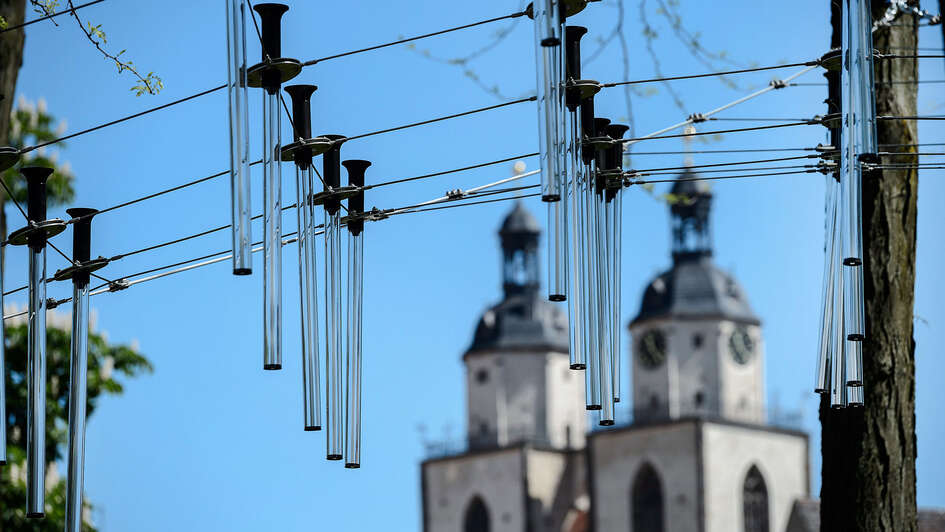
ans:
x=843 y=327
x=343 y=280
x=582 y=182
x=34 y=236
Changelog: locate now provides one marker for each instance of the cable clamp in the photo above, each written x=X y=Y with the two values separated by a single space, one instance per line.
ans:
x=118 y=285
x=826 y=167
x=778 y=84
x=695 y=118
x=376 y=215
x=455 y=194
x=51 y=303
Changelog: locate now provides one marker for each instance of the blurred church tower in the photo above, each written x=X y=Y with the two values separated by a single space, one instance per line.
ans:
x=697 y=455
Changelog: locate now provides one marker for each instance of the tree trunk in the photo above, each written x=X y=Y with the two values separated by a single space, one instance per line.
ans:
x=11 y=58
x=869 y=481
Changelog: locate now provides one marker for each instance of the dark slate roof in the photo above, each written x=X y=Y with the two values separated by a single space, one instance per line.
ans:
x=522 y=322
x=805 y=517
x=519 y=221
x=695 y=288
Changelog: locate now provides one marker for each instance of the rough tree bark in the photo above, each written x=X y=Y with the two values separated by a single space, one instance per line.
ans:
x=11 y=58
x=869 y=480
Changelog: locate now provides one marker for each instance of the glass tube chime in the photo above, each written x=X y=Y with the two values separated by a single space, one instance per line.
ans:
x=843 y=329
x=334 y=369
x=34 y=236
x=80 y=273
x=356 y=169
x=238 y=113
x=577 y=177
x=549 y=16
x=301 y=150
x=269 y=74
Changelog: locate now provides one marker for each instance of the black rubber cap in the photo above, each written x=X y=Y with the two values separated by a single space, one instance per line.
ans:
x=270 y=16
x=81 y=240
x=331 y=171
x=356 y=169
x=301 y=110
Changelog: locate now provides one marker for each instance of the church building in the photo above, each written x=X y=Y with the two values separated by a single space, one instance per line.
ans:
x=696 y=454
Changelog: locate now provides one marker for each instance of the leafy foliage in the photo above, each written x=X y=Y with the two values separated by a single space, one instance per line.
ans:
x=31 y=124
x=106 y=362
x=150 y=83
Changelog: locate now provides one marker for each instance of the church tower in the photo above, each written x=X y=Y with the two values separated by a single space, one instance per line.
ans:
x=698 y=456
x=697 y=346
x=526 y=424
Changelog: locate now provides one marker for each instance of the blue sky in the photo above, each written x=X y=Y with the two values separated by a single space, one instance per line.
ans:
x=210 y=441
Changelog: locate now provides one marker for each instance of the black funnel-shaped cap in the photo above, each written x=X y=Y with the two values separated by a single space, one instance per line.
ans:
x=81 y=240
x=600 y=155
x=572 y=41
x=331 y=171
x=356 y=169
x=616 y=131
x=36 y=177
x=573 y=34
x=301 y=110
x=271 y=22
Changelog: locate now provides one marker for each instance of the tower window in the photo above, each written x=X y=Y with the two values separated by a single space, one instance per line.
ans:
x=755 y=502
x=699 y=399
x=482 y=376
x=697 y=341
x=477 y=516
x=646 y=501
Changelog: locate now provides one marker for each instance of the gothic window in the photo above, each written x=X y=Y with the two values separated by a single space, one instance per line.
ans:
x=646 y=501
x=755 y=501
x=477 y=516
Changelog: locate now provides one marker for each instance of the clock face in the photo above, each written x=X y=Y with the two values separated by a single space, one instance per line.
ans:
x=741 y=345
x=652 y=348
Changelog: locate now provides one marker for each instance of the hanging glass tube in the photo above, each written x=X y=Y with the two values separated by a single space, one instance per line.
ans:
x=826 y=344
x=866 y=126
x=36 y=370
x=558 y=249
x=614 y=196
x=272 y=226
x=308 y=294
x=616 y=271
x=547 y=57
x=77 y=399
x=334 y=365
x=239 y=137
x=605 y=323
x=574 y=177
x=78 y=371
x=593 y=337
x=355 y=298
x=576 y=197
x=838 y=387
x=850 y=174
x=311 y=405
x=356 y=169
x=36 y=346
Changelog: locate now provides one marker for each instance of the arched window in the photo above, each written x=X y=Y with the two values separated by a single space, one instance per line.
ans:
x=477 y=516
x=646 y=501
x=755 y=501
